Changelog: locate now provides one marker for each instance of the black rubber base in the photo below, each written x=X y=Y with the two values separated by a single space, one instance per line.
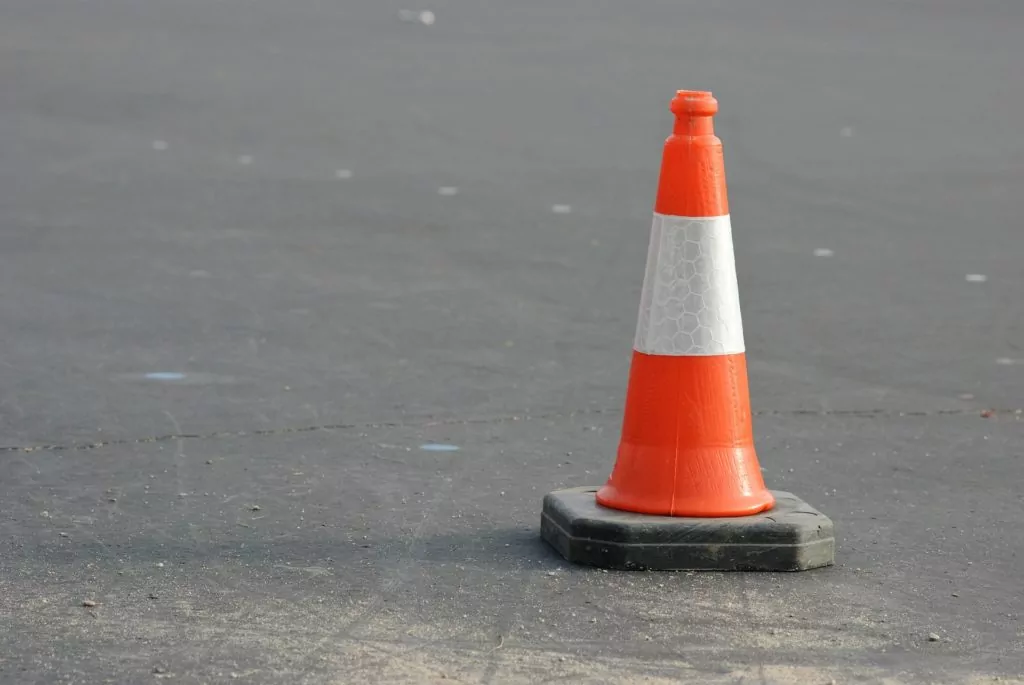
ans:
x=793 y=536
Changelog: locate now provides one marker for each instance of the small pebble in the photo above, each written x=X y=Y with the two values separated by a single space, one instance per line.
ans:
x=89 y=603
x=159 y=669
x=255 y=507
x=933 y=637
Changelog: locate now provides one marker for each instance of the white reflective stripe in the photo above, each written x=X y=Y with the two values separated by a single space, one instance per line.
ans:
x=690 y=304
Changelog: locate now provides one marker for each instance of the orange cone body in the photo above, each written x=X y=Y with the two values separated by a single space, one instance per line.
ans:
x=687 y=445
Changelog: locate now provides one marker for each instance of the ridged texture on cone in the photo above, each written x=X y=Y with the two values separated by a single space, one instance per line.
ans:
x=687 y=446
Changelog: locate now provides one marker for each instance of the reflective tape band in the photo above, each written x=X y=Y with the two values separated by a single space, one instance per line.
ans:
x=690 y=304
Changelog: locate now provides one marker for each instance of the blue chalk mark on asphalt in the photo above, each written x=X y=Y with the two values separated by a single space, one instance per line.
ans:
x=165 y=376
x=438 y=447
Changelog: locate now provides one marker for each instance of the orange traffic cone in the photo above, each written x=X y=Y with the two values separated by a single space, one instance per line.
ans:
x=686 y=491
x=687 y=444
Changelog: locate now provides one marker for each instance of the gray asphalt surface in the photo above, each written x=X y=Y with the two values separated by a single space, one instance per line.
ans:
x=242 y=197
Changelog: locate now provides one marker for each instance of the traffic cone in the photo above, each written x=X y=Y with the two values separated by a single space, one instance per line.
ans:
x=686 y=490
x=687 y=445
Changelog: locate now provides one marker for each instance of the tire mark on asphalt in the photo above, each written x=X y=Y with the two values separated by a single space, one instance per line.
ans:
x=397 y=577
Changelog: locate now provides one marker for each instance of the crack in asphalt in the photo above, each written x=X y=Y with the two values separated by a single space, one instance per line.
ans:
x=427 y=423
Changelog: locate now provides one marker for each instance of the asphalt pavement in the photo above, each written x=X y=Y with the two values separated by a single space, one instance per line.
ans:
x=304 y=307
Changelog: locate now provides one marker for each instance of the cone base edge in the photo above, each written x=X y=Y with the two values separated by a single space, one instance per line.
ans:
x=749 y=505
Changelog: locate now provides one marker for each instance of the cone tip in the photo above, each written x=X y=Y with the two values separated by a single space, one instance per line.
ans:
x=694 y=103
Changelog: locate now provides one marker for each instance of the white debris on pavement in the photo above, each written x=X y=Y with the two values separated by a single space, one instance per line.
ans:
x=561 y=209
x=823 y=252
x=976 y=278
x=426 y=17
